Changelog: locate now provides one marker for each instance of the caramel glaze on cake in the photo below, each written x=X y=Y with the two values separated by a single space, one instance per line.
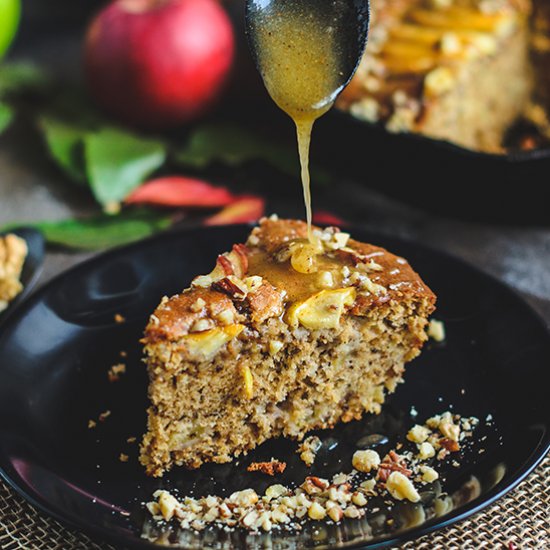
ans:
x=284 y=336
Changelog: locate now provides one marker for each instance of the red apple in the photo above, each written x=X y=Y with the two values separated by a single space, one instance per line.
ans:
x=158 y=63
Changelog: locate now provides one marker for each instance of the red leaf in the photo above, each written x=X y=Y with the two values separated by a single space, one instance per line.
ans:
x=247 y=208
x=323 y=217
x=179 y=191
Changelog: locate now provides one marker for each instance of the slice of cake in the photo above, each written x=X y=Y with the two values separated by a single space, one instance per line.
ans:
x=457 y=70
x=283 y=337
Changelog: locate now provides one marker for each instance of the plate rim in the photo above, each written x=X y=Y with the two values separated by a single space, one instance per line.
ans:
x=469 y=509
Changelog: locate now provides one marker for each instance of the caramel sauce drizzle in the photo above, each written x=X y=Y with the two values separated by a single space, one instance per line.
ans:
x=299 y=57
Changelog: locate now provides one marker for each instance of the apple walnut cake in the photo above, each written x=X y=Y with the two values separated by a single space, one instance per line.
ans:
x=285 y=335
x=457 y=70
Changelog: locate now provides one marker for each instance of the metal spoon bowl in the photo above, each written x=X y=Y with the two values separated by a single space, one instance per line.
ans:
x=348 y=19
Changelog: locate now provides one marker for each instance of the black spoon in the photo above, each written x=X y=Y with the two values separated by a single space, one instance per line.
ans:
x=347 y=19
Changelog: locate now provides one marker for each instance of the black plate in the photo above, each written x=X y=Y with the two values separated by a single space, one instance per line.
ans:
x=55 y=351
x=32 y=267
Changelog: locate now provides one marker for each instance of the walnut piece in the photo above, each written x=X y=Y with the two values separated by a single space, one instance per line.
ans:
x=365 y=461
x=13 y=252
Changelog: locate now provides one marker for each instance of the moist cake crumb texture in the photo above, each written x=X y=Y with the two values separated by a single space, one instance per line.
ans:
x=284 y=336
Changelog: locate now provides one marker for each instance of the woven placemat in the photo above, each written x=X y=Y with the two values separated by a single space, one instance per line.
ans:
x=519 y=520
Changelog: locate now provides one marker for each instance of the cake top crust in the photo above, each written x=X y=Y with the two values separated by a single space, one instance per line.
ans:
x=280 y=273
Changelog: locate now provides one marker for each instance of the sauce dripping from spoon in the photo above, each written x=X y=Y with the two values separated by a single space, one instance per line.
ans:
x=304 y=53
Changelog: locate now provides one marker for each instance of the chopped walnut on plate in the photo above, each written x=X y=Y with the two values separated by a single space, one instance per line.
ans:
x=13 y=252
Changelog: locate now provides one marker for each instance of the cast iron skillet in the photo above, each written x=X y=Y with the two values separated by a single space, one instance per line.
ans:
x=436 y=175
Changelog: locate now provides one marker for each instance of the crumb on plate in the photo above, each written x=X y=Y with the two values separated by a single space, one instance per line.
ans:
x=271 y=468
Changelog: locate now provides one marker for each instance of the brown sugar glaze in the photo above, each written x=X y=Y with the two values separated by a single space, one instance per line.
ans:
x=298 y=286
x=395 y=273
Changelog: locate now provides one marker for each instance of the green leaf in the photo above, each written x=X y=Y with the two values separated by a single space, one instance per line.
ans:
x=22 y=77
x=6 y=116
x=234 y=146
x=117 y=162
x=66 y=146
x=101 y=231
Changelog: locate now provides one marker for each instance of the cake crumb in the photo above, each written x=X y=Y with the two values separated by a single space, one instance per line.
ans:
x=115 y=371
x=436 y=330
x=308 y=449
x=123 y=458
x=119 y=318
x=92 y=424
x=274 y=467
x=104 y=415
x=131 y=440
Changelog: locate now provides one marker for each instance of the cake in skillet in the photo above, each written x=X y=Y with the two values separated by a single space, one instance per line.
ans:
x=540 y=42
x=284 y=336
x=457 y=70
